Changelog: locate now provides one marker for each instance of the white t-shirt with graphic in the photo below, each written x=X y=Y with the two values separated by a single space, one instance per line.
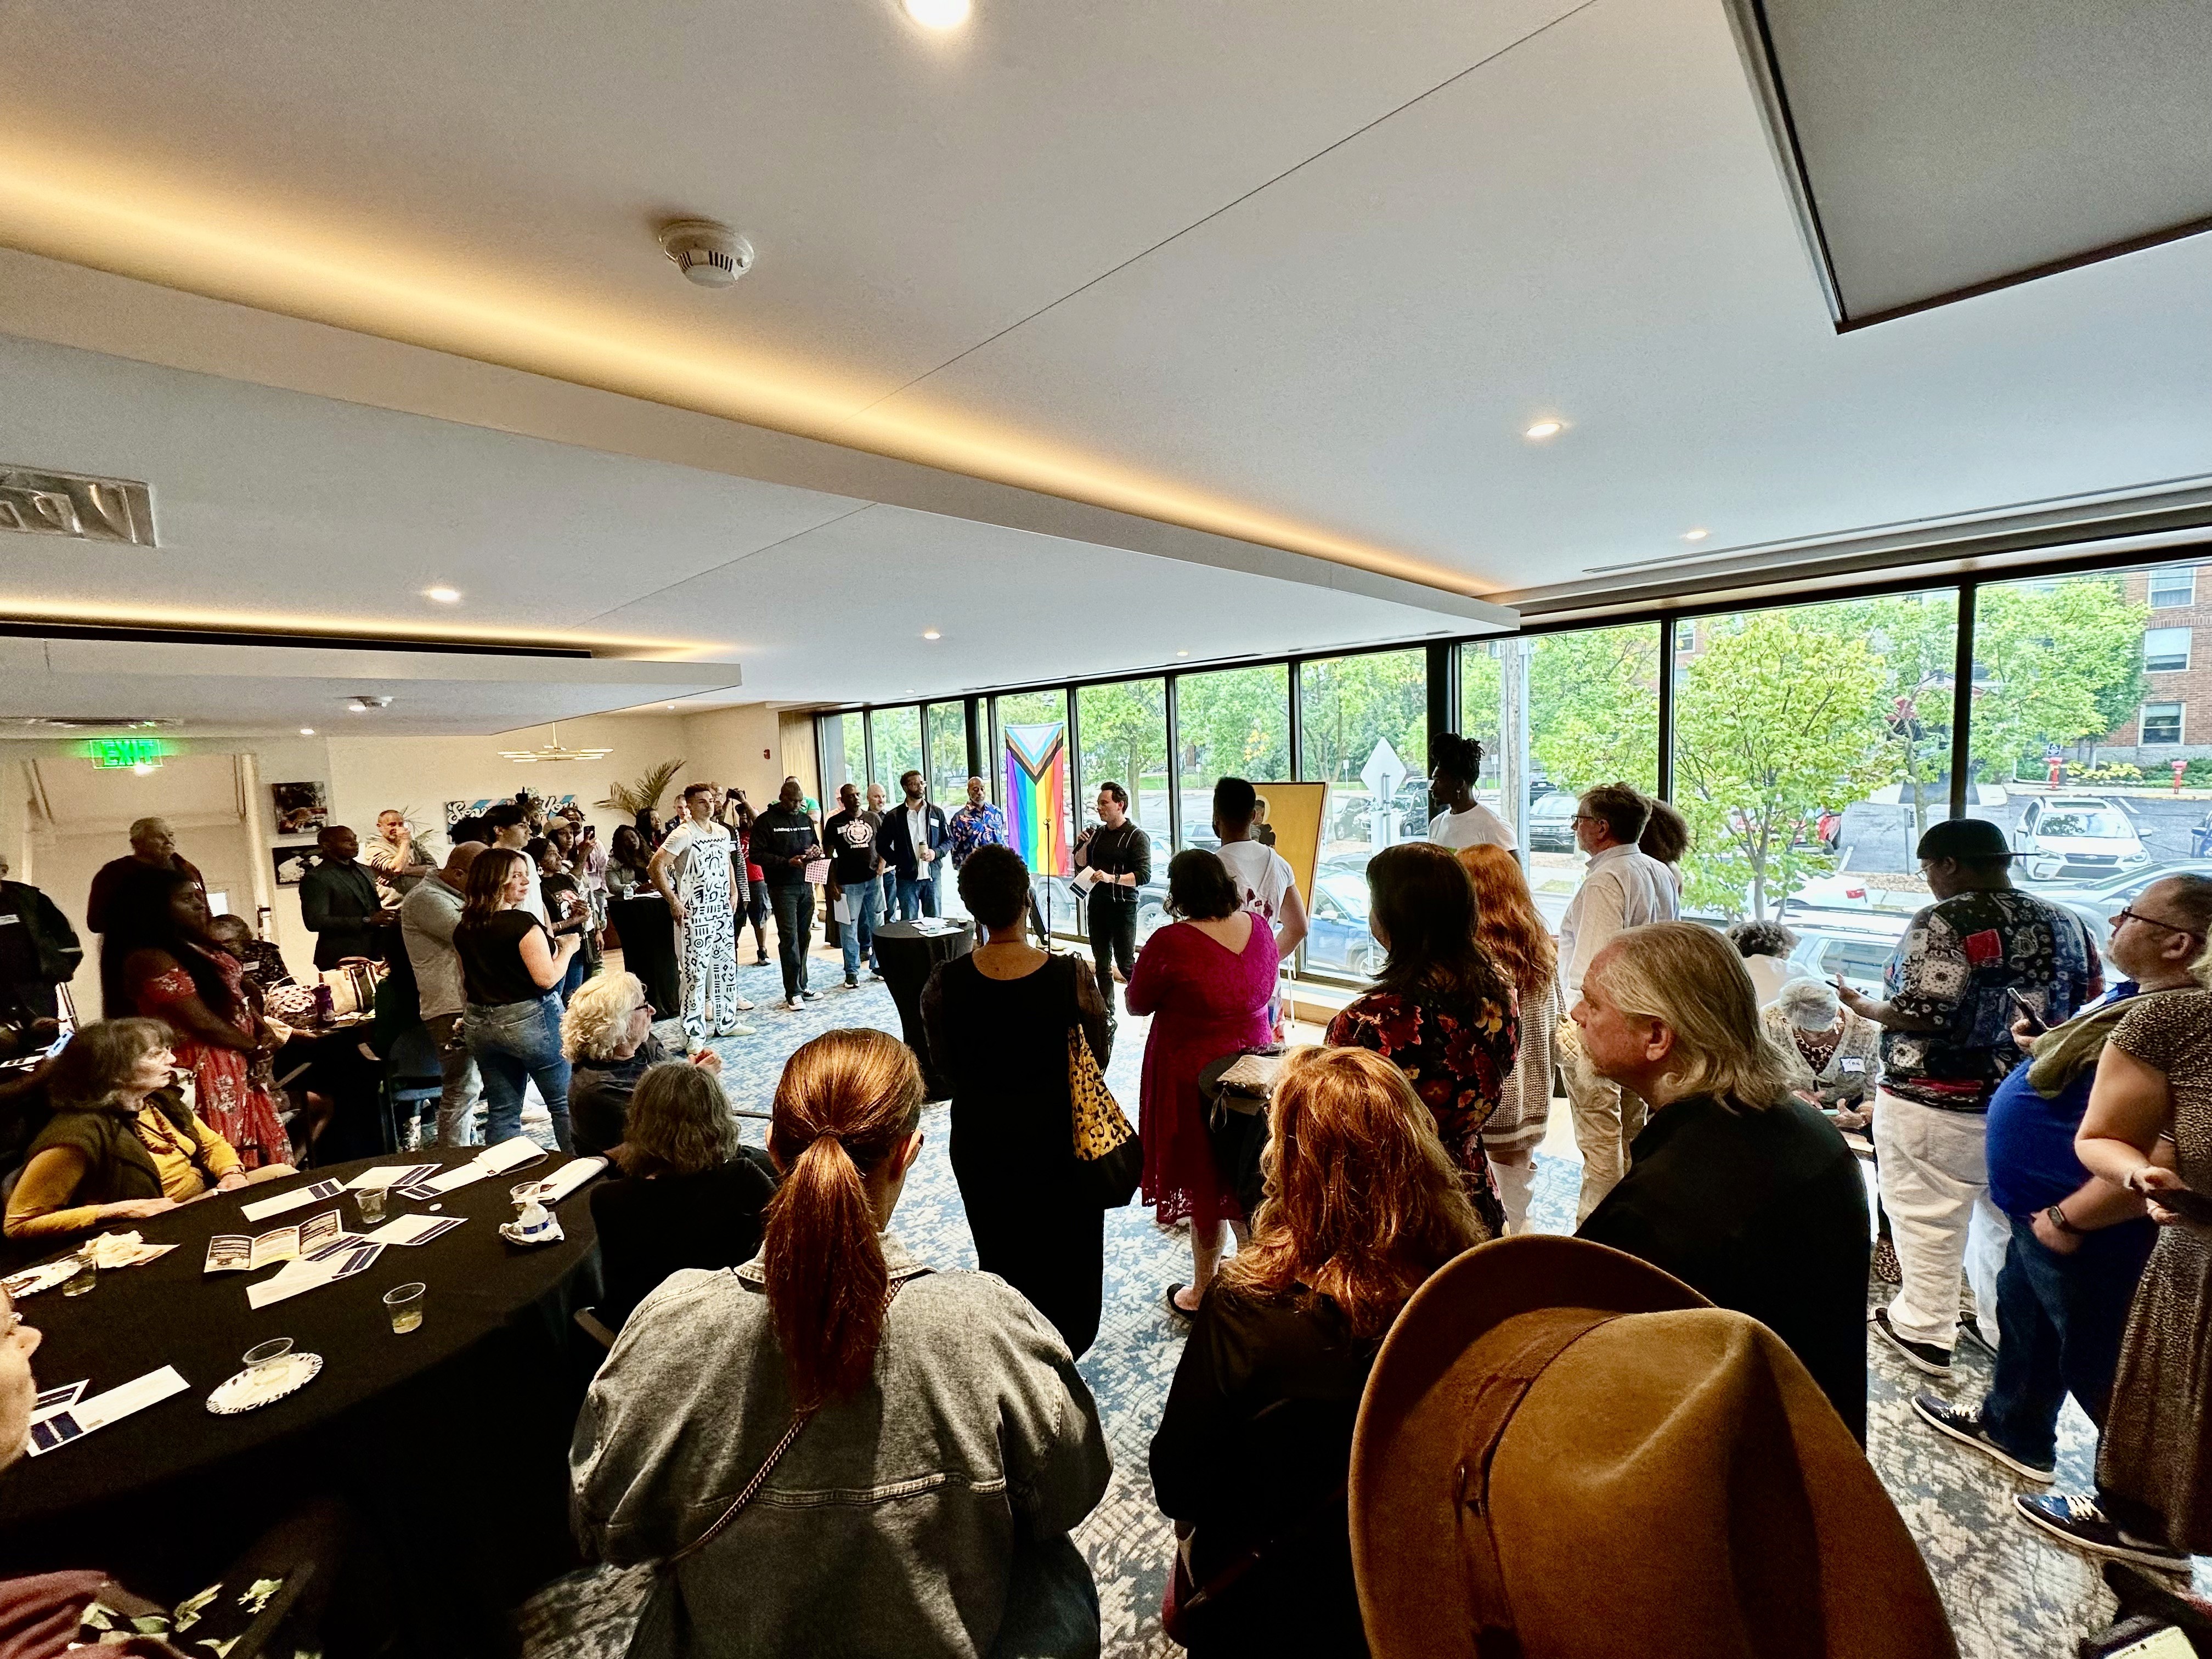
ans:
x=700 y=853
x=1262 y=876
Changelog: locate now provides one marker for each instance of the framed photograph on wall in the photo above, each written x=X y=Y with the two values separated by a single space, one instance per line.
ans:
x=303 y=809
x=294 y=862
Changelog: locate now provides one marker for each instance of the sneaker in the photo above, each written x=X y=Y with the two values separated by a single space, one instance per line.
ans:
x=2078 y=1521
x=810 y=996
x=734 y=1030
x=740 y=1006
x=1921 y=1356
x=850 y=985
x=761 y=961
x=1965 y=1428
x=876 y=974
x=794 y=1004
x=1970 y=1331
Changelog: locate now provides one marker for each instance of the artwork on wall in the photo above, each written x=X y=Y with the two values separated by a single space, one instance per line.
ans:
x=294 y=862
x=458 y=810
x=303 y=809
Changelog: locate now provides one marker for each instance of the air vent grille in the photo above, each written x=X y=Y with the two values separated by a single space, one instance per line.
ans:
x=40 y=503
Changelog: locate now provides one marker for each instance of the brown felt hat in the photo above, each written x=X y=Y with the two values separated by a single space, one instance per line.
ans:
x=1563 y=1453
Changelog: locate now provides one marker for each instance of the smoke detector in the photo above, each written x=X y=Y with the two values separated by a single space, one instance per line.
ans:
x=706 y=251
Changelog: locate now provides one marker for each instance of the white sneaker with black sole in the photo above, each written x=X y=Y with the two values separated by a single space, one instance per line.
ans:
x=1965 y=1428
x=1921 y=1356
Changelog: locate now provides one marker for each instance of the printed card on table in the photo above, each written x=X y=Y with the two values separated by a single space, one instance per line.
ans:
x=74 y=1422
x=292 y=1200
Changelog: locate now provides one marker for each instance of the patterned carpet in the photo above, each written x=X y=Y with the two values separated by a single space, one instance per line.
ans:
x=2010 y=1591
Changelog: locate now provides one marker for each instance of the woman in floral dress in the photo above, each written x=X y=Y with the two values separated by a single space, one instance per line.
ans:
x=176 y=971
x=1441 y=1011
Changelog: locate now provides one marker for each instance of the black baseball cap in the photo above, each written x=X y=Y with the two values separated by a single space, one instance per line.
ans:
x=1963 y=838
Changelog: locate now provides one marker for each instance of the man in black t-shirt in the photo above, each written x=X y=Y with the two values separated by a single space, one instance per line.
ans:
x=854 y=869
x=1120 y=855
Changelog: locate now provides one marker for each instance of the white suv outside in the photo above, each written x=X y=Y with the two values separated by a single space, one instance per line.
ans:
x=2077 y=837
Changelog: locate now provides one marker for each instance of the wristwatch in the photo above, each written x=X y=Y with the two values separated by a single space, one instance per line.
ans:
x=2057 y=1218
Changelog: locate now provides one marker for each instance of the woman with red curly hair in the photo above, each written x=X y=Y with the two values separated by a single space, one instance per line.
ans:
x=1441 y=1011
x=1363 y=1204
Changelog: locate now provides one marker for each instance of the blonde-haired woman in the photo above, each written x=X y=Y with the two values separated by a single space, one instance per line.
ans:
x=1363 y=1204
x=1736 y=1185
x=1511 y=932
x=691 y=1193
x=913 y=1446
x=607 y=1036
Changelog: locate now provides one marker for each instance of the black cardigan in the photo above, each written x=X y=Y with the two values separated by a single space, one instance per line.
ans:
x=1763 y=1211
x=649 y=1228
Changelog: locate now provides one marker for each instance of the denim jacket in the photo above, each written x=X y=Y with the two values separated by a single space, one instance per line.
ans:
x=927 y=1515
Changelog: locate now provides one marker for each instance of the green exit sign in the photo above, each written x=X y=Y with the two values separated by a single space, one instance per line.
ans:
x=111 y=754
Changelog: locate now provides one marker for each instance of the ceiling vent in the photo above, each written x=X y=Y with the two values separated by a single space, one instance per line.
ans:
x=367 y=704
x=40 y=503
x=708 y=253
x=91 y=723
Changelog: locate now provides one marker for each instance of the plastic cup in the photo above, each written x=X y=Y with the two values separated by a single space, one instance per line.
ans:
x=404 y=1304
x=81 y=1281
x=370 y=1201
x=265 y=1357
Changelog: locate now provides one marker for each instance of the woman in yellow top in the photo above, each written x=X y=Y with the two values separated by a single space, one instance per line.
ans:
x=122 y=1143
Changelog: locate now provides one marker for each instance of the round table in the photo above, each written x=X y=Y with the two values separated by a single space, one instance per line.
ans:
x=909 y=956
x=449 y=1440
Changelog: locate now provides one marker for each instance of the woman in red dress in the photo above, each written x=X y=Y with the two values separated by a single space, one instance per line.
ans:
x=176 y=971
x=1206 y=980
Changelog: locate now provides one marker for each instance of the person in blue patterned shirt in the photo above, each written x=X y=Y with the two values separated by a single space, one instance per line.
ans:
x=978 y=823
x=1968 y=965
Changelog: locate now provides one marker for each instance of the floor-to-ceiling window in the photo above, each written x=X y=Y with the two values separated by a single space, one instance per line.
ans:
x=1124 y=732
x=844 y=752
x=1812 y=747
x=1233 y=722
x=1034 y=775
x=1363 y=730
x=946 y=730
x=896 y=736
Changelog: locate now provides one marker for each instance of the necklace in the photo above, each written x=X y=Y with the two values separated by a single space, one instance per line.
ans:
x=1817 y=1051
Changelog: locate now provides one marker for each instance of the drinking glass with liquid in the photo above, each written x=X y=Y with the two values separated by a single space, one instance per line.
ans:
x=404 y=1305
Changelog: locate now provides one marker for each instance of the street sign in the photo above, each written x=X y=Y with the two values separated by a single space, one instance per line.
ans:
x=1384 y=773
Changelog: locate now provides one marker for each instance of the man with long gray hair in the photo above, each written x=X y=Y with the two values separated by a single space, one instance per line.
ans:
x=1737 y=1187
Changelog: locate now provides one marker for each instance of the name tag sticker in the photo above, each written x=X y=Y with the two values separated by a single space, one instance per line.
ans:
x=1853 y=1063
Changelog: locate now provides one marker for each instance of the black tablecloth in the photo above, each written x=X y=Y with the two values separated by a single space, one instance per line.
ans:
x=451 y=1439
x=908 y=957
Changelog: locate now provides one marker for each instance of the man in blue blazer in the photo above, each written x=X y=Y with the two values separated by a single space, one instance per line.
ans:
x=913 y=842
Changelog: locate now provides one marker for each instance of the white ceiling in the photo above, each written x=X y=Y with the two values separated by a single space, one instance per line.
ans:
x=1311 y=265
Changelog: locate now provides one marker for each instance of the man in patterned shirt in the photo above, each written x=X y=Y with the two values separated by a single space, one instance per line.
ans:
x=1947 y=1042
x=978 y=823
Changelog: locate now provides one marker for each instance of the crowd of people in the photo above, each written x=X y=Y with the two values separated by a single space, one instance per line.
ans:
x=826 y=1443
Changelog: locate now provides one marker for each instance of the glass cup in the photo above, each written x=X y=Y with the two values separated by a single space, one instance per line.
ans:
x=404 y=1304
x=86 y=1276
x=263 y=1359
x=524 y=1192
x=370 y=1201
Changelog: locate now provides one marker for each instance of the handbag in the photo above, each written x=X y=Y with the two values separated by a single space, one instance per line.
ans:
x=352 y=986
x=1107 y=1151
x=663 y=1613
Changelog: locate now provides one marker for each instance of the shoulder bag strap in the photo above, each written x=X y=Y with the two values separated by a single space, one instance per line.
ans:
x=798 y=1420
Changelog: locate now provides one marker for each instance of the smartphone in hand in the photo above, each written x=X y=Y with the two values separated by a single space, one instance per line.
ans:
x=2020 y=1006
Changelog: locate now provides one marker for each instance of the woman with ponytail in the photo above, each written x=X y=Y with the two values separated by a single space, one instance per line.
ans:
x=834 y=1449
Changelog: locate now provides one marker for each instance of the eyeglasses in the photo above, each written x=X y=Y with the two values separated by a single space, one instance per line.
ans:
x=2150 y=922
x=1585 y=817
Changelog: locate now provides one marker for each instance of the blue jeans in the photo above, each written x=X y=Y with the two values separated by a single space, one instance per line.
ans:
x=513 y=1041
x=2060 y=1318
x=793 y=904
x=863 y=903
x=917 y=894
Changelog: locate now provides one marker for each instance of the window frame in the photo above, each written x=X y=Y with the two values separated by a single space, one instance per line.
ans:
x=2188 y=594
x=2188 y=646
x=2143 y=738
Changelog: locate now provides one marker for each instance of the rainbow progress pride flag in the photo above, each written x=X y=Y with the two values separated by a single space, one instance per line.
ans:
x=1037 y=796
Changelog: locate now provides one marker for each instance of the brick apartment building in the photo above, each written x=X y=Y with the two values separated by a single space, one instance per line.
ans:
x=2175 y=721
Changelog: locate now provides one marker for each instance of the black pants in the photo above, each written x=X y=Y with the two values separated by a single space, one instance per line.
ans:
x=794 y=924
x=1113 y=939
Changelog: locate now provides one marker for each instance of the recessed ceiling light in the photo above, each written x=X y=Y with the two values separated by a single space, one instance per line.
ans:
x=1182 y=654
x=1544 y=430
x=937 y=14
x=930 y=634
x=307 y=731
x=443 y=595
x=1695 y=535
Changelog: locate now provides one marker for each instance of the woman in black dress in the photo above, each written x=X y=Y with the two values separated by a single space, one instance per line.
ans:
x=642 y=921
x=998 y=1021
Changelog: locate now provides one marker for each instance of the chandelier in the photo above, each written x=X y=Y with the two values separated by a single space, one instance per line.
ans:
x=552 y=751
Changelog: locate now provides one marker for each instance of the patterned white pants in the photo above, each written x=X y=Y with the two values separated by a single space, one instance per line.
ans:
x=707 y=957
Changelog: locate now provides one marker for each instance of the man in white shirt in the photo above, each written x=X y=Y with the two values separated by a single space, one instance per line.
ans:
x=1262 y=875
x=1622 y=888
x=1460 y=820
x=392 y=857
